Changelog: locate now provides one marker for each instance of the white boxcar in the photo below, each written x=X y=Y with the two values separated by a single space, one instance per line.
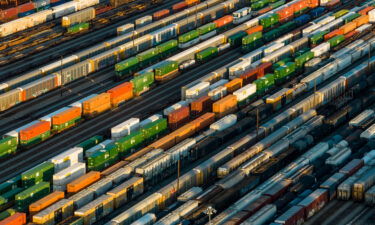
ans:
x=150 y=119
x=67 y=158
x=100 y=187
x=82 y=4
x=321 y=49
x=217 y=93
x=224 y=122
x=147 y=219
x=78 y=17
x=65 y=9
x=124 y=128
x=245 y=92
x=65 y=176
x=369 y=133
x=197 y=90
x=82 y=198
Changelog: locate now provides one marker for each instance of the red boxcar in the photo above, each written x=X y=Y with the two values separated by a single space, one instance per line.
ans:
x=160 y=14
x=179 y=6
x=201 y=105
x=314 y=202
x=25 y=7
x=178 y=117
x=225 y=20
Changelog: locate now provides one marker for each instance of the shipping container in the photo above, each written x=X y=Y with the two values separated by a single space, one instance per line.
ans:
x=83 y=182
x=66 y=119
x=45 y=202
x=225 y=106
x=42 y=172
x=55 y=214
x=15 y=219
x=96 y=210
x=97 y=105
x=30 y=195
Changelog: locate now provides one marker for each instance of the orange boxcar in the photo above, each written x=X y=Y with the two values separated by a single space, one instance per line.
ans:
x=15 y=219
x=348 y=27
x=184 y=132
x=225 y=106
x=254 y=29
x=264 y=10
x=113 y=168
x=66 y=116
x=204 y=121
x=285 y=13
x=351 y=34
x=299 y=5
x=333 y=34
x=201 y=105
x=121 y=93
x=160 y=14
x=83 y=181
x=366 y=10
x=46 y=201
x=97 y=104
x=223 y=21
x=192 y=2
x=361 y=20
x=35 y=130
x=178 y=117
x=233 y=85
x=312 y=3
x=179 y=6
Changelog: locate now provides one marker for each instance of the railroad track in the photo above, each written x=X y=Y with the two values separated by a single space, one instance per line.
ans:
x=84 y=41
x=148 y=103
x=57 y=35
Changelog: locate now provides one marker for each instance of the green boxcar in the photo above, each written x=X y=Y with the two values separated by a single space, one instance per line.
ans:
x=166 y=70
x=206 y=28
x=269 y=20
x=259 y=4
x=36 y=140
x=42 y=172
x=318 y=38
x=10 y=184
x=96 y=161
x=236 y=39
x=252 y=41
x=287 y=27
x=336 y=40
x=78 y=28
x=281 y=63
x=127 y=67
x=7 y=213
x=129 y=143
x=61 y=127
x=272 y=35
x=113 y=150
x=89 y=143
x=152 y=130
x=284 y=72
x=340 y=13
x=301 y=52
x=167 y=48
x=301 y=60
x=206 y=54
x=189 y=36
x=30 y=195
x=148 y=57
x=352 y=17
x=269 y=81
x=142 y=82
x=277 y=4
x=8 y=146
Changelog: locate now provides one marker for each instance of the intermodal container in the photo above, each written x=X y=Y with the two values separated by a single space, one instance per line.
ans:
x=121 y=93
x=361 y=20
x=178 y=117
x=366 y=10
x=254 y=29
x=203 y=121
x=225 y=20
x=233 y=85
x=225 y=106
x=15 y=219
x=201 y=105
x=66 y=118
x=8 y=14
x=97 y=104
x=166 y=71
x=348 y=27
x=28 y=196
x=89 y=143
x=285 y=14
x=25 y=7
x=42 y=172
x=160 y=14
x=179 y=6
x=314 y=202
x=350 y=34
x=333 y=34
x=35 y=133
x=83 y=181
x=192 y=2
x=8 y=145
x=46 y=202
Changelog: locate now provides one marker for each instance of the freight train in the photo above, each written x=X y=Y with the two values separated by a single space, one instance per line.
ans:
x=130 y=44
x=109 y=57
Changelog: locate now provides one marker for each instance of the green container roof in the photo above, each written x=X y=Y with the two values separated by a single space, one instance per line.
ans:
x=126 y=63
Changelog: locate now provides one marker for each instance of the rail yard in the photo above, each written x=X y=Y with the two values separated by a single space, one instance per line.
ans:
x=177 y=112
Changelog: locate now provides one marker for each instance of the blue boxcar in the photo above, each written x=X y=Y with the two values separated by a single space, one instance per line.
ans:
x=301 y=20
x=317 y=12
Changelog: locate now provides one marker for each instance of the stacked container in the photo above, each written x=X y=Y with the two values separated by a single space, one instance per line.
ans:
x=65 y=176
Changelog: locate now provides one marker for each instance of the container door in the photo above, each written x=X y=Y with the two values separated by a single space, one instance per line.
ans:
x=129 y=193
x=99 y=211
x=58 y=216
